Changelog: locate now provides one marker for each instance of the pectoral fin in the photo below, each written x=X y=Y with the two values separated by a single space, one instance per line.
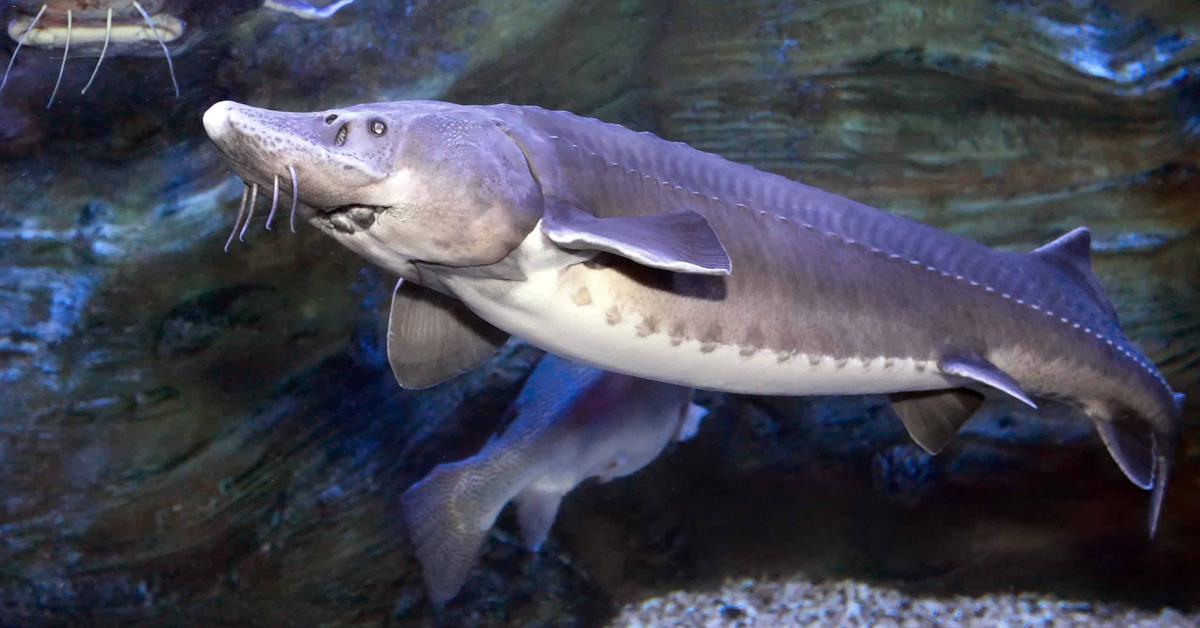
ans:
x=984 y=372
x=689 y=425
x=535 y=514
x=933 y=417
x=432 y=337
x=680 y=241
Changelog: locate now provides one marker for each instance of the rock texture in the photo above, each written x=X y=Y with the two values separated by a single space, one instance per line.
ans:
x=190 y=437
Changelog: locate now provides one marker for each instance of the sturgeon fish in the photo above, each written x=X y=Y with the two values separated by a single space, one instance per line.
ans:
x=570 y=423
x=650 y=258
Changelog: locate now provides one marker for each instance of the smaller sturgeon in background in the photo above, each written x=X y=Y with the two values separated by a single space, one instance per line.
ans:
x=124 y=27
x=572 y=422
x=92 y=27
x=307 y=11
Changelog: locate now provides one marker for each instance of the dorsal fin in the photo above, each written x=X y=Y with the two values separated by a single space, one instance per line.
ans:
x=1073 y=248
x=1072 y=253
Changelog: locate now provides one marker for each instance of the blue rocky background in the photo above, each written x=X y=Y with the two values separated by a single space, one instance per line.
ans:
x=194 y=437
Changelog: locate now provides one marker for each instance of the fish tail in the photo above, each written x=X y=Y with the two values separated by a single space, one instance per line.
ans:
x=1144 y=454
x=448 y=514
x=1143 y=435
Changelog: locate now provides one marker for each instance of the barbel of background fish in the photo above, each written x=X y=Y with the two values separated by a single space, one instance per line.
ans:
x=570 y=423
x=650 y=258
x=124 y=22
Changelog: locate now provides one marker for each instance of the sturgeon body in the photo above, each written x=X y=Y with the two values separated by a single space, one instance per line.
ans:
x=649 y=258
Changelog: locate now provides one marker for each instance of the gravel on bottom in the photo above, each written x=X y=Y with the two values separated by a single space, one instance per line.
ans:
x=802 y=602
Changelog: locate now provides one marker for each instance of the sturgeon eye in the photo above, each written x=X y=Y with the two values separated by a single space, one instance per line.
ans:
x=378 y=128
x=341 y=134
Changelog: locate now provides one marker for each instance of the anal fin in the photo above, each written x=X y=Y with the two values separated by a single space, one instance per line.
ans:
x=933 y=417
x=536 y=510
x=432 y=337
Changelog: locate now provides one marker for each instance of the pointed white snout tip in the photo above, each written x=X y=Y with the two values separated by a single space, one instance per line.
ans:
x=216 y=119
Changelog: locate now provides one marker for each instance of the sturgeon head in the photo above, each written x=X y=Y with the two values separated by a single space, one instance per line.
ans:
x=432 y=189
x=397 y=183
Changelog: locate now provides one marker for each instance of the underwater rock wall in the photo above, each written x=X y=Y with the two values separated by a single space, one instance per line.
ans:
x=196 y=437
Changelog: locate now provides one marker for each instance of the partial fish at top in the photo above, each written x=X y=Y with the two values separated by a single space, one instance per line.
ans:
x=650 y=258
x=120 y=27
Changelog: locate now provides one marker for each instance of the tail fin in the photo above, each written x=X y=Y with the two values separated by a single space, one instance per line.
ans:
x=1164 y=453
x=1144 y=456
x=1132 y=447
x=1143 y=452
x=449 y=513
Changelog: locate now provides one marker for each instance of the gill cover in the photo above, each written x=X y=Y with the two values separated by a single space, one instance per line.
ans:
x=463 y=194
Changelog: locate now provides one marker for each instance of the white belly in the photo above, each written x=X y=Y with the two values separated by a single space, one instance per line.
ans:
x=548 y=314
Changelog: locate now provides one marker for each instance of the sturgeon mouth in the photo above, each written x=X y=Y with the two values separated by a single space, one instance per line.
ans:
x=350 y=218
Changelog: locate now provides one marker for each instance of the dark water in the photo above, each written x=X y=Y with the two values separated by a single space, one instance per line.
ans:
x=194 y=437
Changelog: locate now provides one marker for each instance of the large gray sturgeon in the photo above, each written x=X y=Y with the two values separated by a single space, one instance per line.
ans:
x=650 y=258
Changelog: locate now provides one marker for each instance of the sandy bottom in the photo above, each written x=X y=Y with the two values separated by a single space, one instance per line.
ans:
x=801 y=602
